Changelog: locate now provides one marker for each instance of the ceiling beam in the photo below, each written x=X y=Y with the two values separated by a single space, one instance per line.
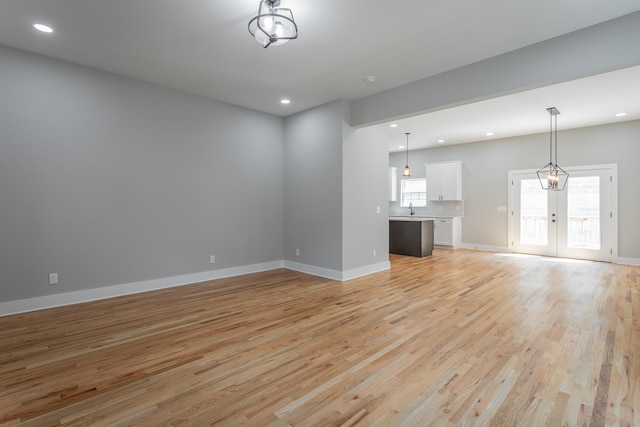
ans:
x=601 y=48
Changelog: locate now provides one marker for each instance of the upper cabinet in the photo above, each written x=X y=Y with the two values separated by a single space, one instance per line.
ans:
x=444 y=181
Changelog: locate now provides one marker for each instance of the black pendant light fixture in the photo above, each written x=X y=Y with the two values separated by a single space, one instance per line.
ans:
x=273 y=25
x=407 y=170
x=553 y=177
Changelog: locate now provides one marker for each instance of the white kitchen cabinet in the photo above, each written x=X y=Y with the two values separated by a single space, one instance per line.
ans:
x=444 y=181
x=446 y=233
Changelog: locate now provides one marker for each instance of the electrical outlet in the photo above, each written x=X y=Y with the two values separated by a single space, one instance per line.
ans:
x=377 y=209
x=53 y=278
x=297 y=252
x=212 y=259
x=374 y=253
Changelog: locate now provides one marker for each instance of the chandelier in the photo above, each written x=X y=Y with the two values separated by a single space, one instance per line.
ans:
x=553 y=177
x=273 y=25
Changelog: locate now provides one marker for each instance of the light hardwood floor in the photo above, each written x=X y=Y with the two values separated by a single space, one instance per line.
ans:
x=459 y=338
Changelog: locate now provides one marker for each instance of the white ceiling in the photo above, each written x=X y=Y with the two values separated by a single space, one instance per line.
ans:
x=203 y=47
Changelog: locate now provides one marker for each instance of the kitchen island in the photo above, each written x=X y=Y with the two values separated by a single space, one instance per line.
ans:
x=411 y=236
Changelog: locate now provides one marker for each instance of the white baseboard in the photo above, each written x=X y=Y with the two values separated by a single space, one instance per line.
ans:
x=335 y=274
x=627 y=261
x=57 y=300
x=363 y=271
x=615 y=260
x=68 y=298
x=489 y=248
x=313 y=270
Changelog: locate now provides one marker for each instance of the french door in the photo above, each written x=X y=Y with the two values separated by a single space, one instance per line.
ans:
x=579 y=222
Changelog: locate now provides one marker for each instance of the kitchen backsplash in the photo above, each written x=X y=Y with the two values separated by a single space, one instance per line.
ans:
x=435 y=209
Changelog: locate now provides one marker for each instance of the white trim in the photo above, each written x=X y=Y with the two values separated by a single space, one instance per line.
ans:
x=313 y=270
x=68 y=298
x=506 y=249
x=368 y=269
x=627 y=261
x=489 y=248
x=568 y=168
x=335 y=274
x=56 y=300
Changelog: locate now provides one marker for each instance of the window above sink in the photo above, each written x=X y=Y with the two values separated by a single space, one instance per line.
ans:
x=413 y=191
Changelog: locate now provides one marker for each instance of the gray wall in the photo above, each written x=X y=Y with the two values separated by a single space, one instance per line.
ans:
x=335 y=178
x=484 y=175
x=106 y=180
x=313 y=186
x=365 y=164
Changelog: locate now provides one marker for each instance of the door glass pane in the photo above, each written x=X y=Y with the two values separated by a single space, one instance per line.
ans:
x=583 y=210
x=533 y=213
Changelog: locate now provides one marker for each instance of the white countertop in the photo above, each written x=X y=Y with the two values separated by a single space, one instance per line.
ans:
x=411 y=218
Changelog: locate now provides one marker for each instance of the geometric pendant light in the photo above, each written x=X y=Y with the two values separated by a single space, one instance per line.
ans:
x=407 y=170
x=273 y=25
x=553 y=177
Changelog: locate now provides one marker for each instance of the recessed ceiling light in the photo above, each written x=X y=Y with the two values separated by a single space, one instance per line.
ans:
x=285 y=101
x=43 y=28
x=400 y=146
x=394 y=125
x=489 y=133
x=370 y=79
x=621 y=114
x=440 y=141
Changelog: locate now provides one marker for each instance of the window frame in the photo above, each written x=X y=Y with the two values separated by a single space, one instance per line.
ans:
x=420 y=200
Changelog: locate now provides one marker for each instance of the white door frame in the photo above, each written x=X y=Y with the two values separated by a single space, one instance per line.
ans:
x=612 y=251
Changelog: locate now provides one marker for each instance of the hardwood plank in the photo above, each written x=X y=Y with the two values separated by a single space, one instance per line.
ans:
x=460 y=338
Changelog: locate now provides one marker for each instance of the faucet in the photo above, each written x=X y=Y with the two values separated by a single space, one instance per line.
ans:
x=411 y=211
